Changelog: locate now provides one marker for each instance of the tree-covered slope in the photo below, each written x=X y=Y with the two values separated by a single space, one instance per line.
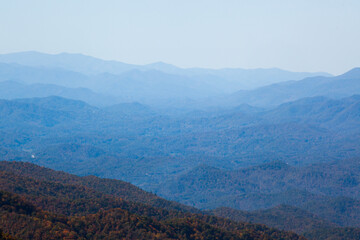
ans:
x=329 y=190
x=56 y=210
x=282 y=217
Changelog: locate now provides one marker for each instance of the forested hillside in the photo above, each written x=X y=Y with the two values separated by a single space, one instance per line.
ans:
x=72 y=136
x=43 y=207
x=317 y=196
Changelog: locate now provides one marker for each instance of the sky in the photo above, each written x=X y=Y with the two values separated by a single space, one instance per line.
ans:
x=306 y=35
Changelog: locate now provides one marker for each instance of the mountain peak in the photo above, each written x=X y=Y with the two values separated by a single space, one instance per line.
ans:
x=162 y=66
x=353 y=73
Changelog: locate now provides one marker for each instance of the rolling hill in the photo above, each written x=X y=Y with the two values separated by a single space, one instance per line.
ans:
x=55 y=210
x=329 y=190
x=135 y=136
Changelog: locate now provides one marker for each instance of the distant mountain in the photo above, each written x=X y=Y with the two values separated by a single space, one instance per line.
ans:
x=43 y=112
x=343 y=211
x=229 y=79
x=282 y=217
x=155 y=83
x=322 y=111
x=146 y=86
x=32 y=75
x=334 y=233
x=334 y=114
x=132 y=136
x=150 y=86
x=71 y=62
x=59 y=104
x=153 y=86
x=269 y=96
x=255 y=78
x=130 y=109
x=13 y=90
x=294 y=219
x=329 y=190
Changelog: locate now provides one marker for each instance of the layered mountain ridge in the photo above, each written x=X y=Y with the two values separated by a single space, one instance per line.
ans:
x=265 y=146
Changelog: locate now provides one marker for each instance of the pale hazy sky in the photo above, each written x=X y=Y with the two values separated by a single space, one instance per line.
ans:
x=299 y=35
